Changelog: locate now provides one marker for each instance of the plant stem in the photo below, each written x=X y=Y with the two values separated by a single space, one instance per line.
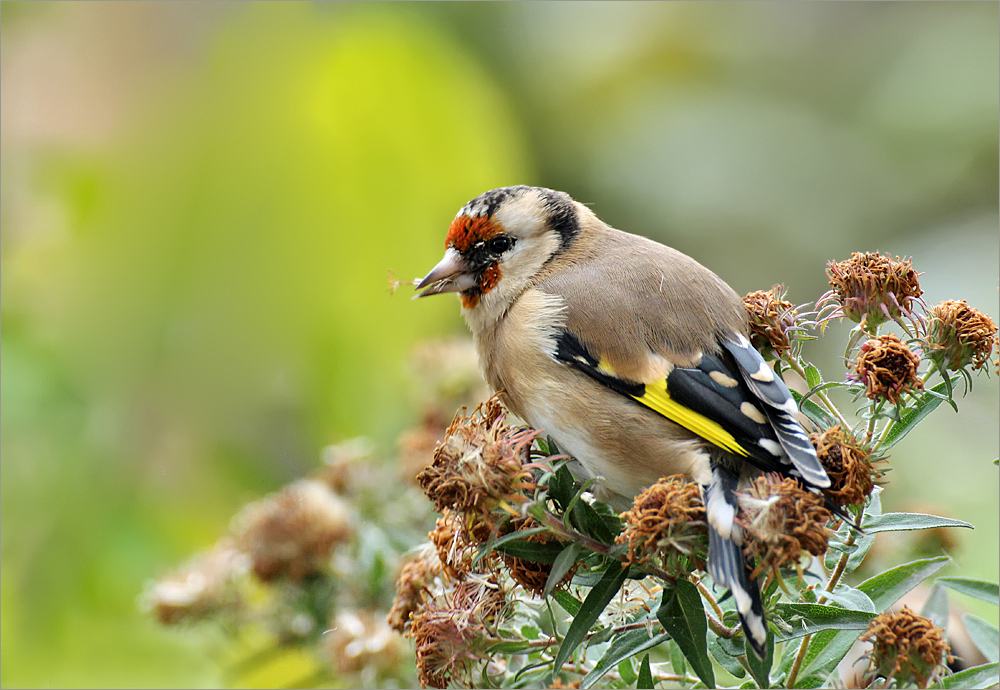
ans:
x=831 y=584
x=795 y=366
x=708 y=596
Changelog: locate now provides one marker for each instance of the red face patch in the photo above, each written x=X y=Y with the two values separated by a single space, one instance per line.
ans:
x=465 y=231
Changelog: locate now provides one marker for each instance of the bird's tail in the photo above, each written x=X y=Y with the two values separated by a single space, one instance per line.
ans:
x=726 y=562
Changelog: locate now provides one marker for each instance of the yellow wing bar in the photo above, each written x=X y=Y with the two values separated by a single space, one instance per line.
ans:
x=657 y=399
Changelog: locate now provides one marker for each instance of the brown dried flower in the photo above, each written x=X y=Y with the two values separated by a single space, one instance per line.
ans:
x=478 y=466
x=202 y=588
x=907 y=647
x=412 y=586
x=359 y=640
x=959 y=335
x=445 y=630
x=529 y=574
x=292 y=533
x=849 y=466
x=871 y=288
x=457 y=537
x=667 y=521
x=781 y=520
x=772 y=320
x=888 y=368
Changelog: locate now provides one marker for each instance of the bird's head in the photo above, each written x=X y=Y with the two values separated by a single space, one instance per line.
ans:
x=499 y=241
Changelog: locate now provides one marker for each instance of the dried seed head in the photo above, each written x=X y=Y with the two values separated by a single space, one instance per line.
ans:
x=667 y=521
x=772 y=320
x=292 y=533
x=780 y=520
x=907 y=647
x=850 y=467
x=412 y=586
x=200 y=589
x=446 y=629
x=960 y=335
x=479 y=464
x=530 y=575
x=359 y=640
x=888 y=368
x=872 y=288
x=457 y=537
x=343 y=462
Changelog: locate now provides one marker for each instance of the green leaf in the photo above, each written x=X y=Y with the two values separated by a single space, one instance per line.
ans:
x=885 y=588
x=561 y=565
x=813 y=377
x=936 y=607
x=533 y=551
x=902 y=522
x=761 y=668
x=851 y=598
x=677 y=662
x=567 y=601
x=586 y=519
x=912 y=415
x=804 y=619
x=624 y=646
x=985 y=676
x=980 y=589
x=593 y=606
x=827 y=649
x=511 y=647
x=984 y=635
x=683 y=617
x=726 y=655
x=816 y=414
x=562 y=487
x=645 y=679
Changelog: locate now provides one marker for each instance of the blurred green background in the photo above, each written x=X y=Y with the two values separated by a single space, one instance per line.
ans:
x=201 y=202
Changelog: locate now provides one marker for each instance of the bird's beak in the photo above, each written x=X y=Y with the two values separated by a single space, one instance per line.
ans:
x=452 y=274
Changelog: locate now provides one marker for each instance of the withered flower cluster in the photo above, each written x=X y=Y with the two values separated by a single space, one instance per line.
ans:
x=907 y=647
x=292 y=533
x=887 y=368
x=448 y=626
x=780 y=520
x=773 y=321
x=667 y=522
x=959 y=335
x=870 y=289
x=849 y=466
x=478 y=467
x=288 y=536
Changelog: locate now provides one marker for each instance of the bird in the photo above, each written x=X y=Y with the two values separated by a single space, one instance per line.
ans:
x=632 y=356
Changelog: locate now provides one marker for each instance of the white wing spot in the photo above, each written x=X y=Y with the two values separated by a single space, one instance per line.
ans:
x=770 y=446
x=753 y=413
x=763 y=374
x=722 y=379
x=720 y=513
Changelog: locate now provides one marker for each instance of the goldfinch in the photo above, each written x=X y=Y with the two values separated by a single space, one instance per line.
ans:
x=632 y=356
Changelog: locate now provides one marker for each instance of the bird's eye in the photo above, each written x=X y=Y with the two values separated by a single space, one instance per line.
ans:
x=500 y=244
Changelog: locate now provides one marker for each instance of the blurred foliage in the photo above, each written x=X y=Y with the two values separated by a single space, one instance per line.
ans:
x=201 y=202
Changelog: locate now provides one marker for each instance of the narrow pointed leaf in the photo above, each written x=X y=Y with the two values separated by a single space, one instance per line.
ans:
x=645 y=679
x=567 y=601
x=623 y=647
x=683 y=617
x=911 y=416
x=561 y=565
x=805 y=619
x=593 y=606
x=902 y=522
x=984 y=635
x=936 y=607
x=885 y=588
x=980 y=589
x=985 y=676
x=533 y=551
